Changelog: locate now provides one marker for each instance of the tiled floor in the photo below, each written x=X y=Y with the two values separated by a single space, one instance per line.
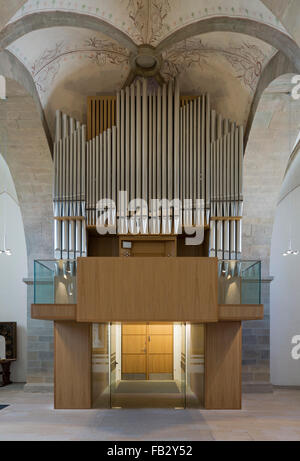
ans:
x=264 y=417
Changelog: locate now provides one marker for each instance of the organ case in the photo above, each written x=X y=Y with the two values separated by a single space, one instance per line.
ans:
x=159 y=163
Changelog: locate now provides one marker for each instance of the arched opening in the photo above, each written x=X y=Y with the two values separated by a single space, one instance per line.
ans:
x=272 y=137
x=28 y=163
x=13 y=268
x=285 y=289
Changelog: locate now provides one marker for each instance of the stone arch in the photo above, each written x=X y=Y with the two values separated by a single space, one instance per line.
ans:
x=12 y=68
x=26 y=151
x=45 y=20
x=266 y=158
x=278 y=39
x=13 y=268
x=284 y=296
x=278 y=65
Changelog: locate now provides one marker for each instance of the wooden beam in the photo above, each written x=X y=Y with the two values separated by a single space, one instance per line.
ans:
x=53 y=311
x=223 y=366
x=239 y=312
x=72 y=365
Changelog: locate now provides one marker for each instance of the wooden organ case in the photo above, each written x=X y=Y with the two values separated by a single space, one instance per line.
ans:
x=150 y=170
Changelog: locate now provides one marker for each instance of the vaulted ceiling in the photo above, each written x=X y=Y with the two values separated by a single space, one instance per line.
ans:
x=72 y=49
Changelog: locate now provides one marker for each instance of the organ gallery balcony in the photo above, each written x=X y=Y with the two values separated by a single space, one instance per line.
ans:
x=139 y=289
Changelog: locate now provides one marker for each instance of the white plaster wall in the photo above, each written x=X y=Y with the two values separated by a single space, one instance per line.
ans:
x=285 y=289
x=13 y=294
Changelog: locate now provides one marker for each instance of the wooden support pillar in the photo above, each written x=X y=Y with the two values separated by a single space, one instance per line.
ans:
x=72 y=365
x=223 y=366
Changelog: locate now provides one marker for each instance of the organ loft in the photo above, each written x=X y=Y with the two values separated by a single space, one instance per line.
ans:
x=148 y=284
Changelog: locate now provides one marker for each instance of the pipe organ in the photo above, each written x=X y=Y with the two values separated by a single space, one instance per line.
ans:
x=165 y=164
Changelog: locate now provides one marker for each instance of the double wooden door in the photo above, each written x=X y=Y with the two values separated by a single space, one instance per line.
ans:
x=147 y=351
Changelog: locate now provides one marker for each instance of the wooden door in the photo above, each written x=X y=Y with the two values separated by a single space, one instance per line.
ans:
x=134 y=351
x=160 y=351
x=147 y=351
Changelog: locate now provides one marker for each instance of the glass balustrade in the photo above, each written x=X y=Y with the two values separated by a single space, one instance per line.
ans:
x=55 y=281
x=239 y=282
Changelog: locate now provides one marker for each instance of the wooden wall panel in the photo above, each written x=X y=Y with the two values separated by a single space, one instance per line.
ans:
x=223 y=365
x=147 y=289
x=134 y=363
x=101 y=114
x=160 y=363
x=134 y=349
x=72 y=371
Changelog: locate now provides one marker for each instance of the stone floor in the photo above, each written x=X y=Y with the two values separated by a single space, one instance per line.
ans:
x=273 y=416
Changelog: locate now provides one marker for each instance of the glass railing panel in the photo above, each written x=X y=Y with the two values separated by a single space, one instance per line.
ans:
x=251 y=284
x=43 y=283
x=239 y=282
x=55 y=281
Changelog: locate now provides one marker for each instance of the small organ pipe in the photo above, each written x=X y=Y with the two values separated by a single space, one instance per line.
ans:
x=232 y=240
x=58 y=133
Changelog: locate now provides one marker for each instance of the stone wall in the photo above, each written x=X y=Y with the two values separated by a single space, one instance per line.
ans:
x=274 y=131
x=256 y=347
x=24 y=146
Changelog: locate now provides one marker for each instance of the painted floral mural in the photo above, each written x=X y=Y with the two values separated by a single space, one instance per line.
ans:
x=247 y=59
x=98 y=51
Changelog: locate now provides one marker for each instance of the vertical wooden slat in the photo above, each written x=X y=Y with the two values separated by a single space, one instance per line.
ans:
x=109 y=125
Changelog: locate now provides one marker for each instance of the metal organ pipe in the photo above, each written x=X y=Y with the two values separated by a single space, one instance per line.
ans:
x=161 y=148
x=144 y=229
